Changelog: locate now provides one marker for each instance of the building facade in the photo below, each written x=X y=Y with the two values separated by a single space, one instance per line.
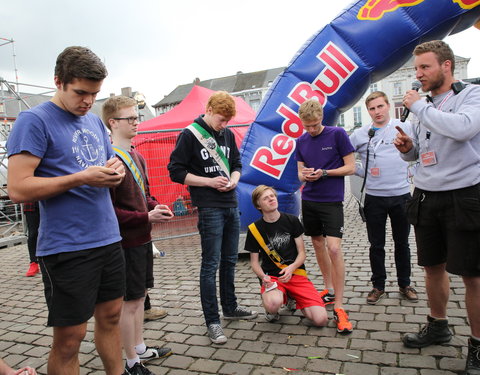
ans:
x=252 y=87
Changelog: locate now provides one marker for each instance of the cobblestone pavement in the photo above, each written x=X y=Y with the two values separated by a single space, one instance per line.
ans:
x=253 y=347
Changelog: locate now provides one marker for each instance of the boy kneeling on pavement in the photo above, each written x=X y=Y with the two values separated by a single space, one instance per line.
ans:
x=277 y=239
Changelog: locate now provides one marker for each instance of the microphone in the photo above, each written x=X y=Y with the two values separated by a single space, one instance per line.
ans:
x=415 y=86
x=371 y=133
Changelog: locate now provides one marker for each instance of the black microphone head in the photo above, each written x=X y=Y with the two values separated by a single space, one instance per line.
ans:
x=371 y=132
x=416 y=85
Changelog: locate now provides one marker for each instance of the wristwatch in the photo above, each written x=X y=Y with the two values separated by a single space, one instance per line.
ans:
x=324 y=173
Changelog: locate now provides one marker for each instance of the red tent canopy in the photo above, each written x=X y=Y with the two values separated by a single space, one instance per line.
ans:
x=158 y=143
x=193 y=105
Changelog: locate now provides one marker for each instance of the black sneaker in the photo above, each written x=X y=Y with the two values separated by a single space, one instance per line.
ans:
x=436 y=331
x=137 y=369
x=215 y=333
x=473 y=358
x=153 y=352
x=240 y=313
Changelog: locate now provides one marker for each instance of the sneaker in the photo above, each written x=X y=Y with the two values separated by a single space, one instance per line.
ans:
x=154 y=314
x=291 y=304
x=241 y=313
x=137 y=369
x=33 y=269
x=436 y=331
x=328 y=298
x=409 y=293
x=216 y=335
x=153 y=352
x=473 y=358
x=341 y=318
x=374 y=296
x=272 y=317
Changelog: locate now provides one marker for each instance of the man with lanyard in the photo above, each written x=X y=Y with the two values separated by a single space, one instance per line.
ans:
x=206 y=158
x=445 y=209
x=387 y=190
x=136 y=211
x=60 y=155
x=277 y=240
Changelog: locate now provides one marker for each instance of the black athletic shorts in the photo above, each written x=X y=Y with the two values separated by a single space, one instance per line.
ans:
x=323 y=218
x=139 y=270
x=76 y=281
x=447 y=229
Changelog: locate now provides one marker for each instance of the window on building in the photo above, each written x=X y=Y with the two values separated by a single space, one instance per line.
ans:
x=397 y=88
x=341 y=121
x=373 y=87
x=398 y=109
x=357 y=116
x=255 y=104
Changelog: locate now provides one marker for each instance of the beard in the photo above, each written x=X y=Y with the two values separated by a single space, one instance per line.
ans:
x=435 y=83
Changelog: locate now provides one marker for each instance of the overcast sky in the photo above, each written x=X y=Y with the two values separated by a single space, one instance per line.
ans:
x=155 y=45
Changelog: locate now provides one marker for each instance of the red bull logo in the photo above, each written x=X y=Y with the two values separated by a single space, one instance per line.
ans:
x=375 y=9
x=467 y=4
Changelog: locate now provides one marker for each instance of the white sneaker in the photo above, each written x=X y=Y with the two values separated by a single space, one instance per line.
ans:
x=216 y=335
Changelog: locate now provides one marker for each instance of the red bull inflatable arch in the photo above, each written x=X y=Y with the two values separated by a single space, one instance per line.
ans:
x=368 y=41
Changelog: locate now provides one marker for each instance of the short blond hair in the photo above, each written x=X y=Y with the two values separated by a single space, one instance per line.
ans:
x=222 y=103
x=375 y=95
x=112 y=105
x=257 y=193
x=310 y=110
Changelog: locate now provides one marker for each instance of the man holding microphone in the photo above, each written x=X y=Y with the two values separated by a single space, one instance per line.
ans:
x=445 y=209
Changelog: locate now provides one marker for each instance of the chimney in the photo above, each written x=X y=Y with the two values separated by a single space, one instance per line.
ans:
x=127 y=91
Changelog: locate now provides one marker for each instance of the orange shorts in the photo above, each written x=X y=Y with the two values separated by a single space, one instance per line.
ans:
x=301 y=289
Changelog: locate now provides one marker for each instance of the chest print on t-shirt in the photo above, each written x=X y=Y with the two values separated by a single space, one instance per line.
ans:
x=279 y=241
x=87 y=148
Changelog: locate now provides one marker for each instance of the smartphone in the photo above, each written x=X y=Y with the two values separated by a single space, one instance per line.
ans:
x=272 y=286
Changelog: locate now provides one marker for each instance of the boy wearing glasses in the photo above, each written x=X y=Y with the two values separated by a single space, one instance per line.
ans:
x=324 y=156
x=277 y=240
x=136 y=211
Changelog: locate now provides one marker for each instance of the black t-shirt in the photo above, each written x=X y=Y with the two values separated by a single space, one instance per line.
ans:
x=279 y=236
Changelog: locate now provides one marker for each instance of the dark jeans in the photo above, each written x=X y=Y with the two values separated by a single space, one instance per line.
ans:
x=33 y=221
x=376 y=211
x=219 y=230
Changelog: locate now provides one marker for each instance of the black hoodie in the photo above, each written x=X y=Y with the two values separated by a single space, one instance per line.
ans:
x=189 y=156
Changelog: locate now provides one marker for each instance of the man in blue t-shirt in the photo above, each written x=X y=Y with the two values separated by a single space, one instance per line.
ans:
x=324 y=156
x=60 y=155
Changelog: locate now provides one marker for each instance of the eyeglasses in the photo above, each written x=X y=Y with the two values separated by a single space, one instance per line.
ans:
x=131 y=120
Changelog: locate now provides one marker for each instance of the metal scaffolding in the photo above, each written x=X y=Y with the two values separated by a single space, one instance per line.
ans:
x=12 y=101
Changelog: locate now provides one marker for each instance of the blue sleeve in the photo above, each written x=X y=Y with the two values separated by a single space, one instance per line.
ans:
x=28 y=134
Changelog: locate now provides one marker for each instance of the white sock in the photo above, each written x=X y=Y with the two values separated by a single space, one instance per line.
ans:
x=140 y=348
x=331 y=291
x=131 y=362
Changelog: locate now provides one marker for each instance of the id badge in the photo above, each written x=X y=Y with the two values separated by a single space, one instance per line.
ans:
x=428 y=158
x=375 y=172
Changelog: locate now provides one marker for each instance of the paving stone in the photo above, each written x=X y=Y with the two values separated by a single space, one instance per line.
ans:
x=379 y=358
x=254 y=347
x=206 y=366
x=258 y=358
x=235 y=369
x=397 y=371
x=360 y=369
